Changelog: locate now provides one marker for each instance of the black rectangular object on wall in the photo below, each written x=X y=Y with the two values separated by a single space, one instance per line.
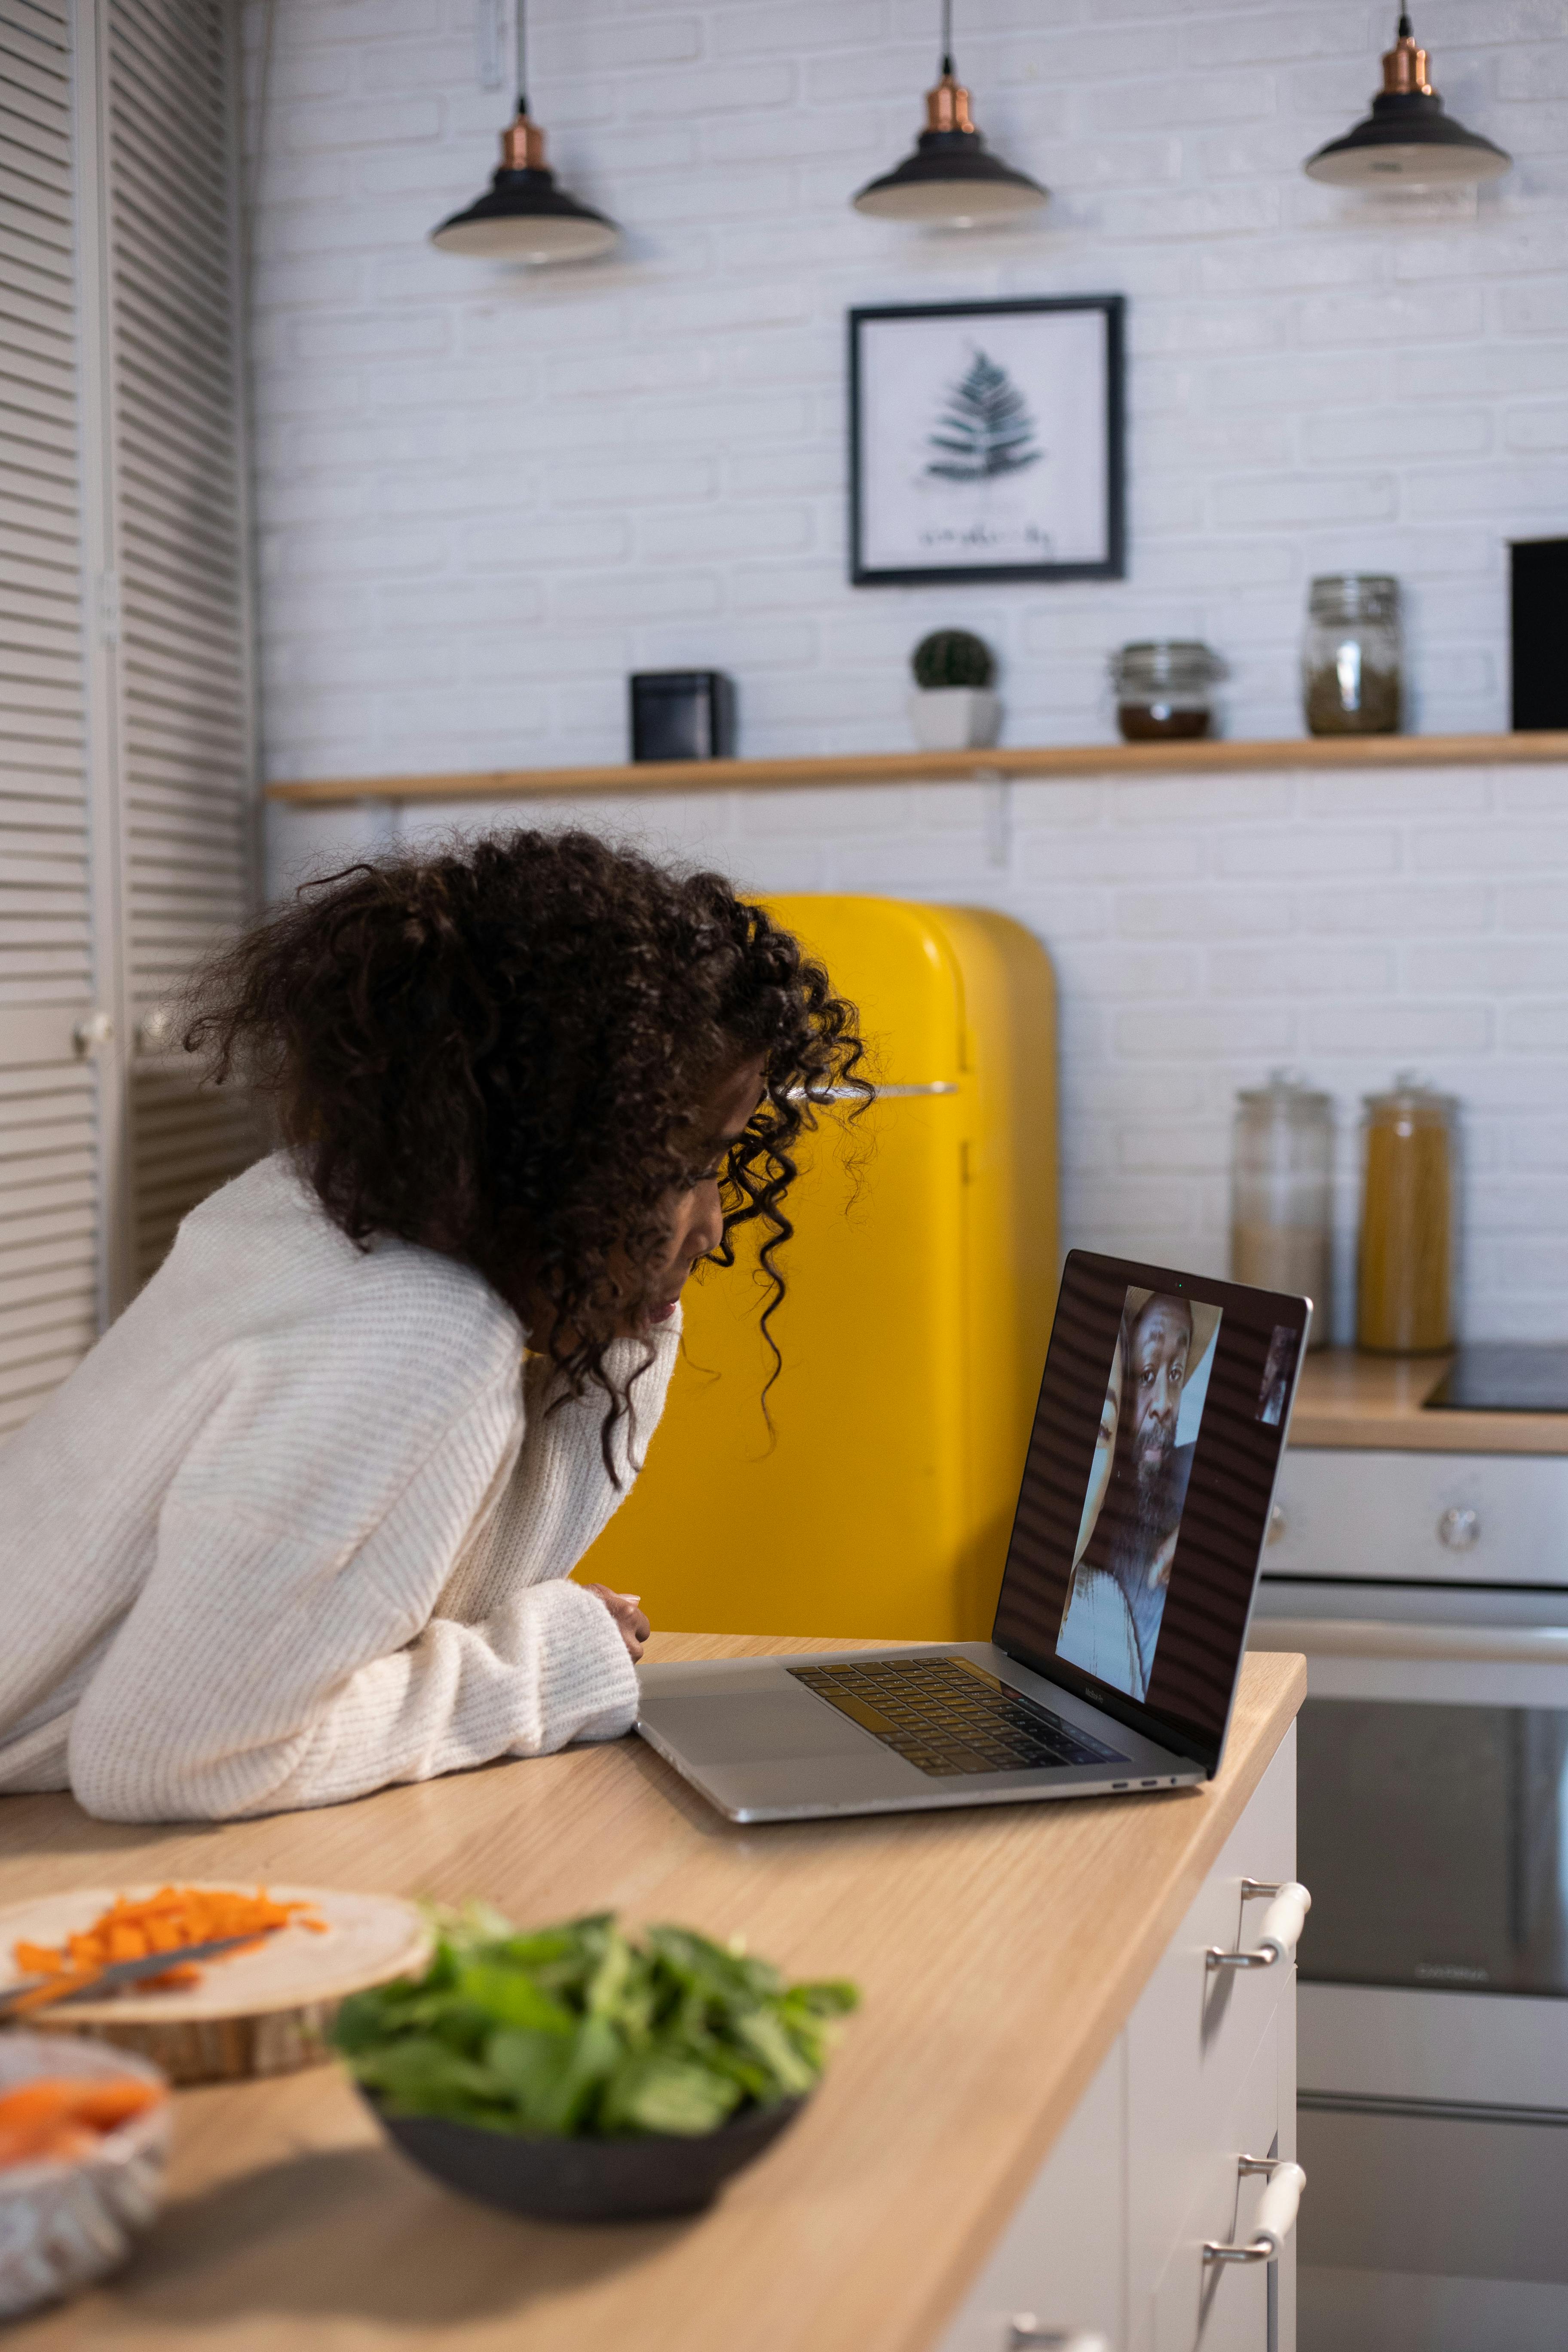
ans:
x=1540 y=634
x=682 y=714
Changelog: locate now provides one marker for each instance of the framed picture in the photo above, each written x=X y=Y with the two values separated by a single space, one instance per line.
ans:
x=985 y=441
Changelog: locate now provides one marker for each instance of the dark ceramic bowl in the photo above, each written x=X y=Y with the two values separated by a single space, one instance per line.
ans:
x=588 y=2180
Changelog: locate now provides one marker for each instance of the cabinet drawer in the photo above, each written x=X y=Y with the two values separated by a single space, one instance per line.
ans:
x=1202 y=2306
x=1466 y=1518
x=1196 y=2031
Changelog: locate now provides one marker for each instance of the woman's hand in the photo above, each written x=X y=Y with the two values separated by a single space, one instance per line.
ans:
x=630 y=1622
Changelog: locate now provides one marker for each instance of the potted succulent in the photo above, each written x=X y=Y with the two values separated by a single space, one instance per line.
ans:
x=952 y=707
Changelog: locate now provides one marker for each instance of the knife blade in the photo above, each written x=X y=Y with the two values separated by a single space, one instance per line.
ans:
x=36 y=1992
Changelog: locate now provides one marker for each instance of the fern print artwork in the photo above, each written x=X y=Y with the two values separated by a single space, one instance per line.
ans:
x=986 y=440
x=985 y=428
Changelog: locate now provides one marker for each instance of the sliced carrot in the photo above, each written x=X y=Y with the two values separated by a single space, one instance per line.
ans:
x=37 y=1959
x=59 y=2118
x=112 y=2100
x=41 y=2101
x=167 y=1921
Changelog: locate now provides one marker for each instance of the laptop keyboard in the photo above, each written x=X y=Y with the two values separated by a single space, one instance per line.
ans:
x=945 y=1716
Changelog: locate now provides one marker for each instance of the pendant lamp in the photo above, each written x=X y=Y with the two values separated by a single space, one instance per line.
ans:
x=951 y=180
x=523 y=216
x=1407 y=137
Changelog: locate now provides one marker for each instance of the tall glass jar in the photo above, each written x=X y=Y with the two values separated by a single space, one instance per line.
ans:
x=1352 y=657
x=1405 y=1291
x=1282 y=1200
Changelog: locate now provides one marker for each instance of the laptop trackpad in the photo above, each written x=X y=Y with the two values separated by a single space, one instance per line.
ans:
x=757 y=1728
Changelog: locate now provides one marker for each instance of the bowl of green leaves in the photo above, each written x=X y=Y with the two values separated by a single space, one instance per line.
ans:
x=581 y=2074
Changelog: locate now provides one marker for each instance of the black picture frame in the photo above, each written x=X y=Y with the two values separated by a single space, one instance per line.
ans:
x=865 y=570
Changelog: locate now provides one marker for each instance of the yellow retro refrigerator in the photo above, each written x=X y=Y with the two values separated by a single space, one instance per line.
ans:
x=922 y=1275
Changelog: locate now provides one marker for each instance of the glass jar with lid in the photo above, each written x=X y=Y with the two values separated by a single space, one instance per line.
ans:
x=1405 y=1288
x=1282 y=1200
x=1164 y=688
x=1352 y=657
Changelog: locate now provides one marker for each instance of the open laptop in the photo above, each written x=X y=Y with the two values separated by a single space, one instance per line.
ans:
x=1122 y=1616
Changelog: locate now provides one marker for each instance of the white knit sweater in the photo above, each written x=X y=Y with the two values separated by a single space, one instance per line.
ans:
x=297 y=1527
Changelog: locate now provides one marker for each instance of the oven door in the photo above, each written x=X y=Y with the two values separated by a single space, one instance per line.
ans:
x=1433 y=1832
x=1433 y=1810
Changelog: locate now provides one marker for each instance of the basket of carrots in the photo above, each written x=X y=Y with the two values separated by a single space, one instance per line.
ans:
x=84 y=2137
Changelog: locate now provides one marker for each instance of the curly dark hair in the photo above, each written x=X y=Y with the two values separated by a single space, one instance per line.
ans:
x=500 y=1047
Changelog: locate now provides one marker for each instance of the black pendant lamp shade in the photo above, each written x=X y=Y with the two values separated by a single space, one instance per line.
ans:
x=1407 y=137
x=523 y=216
x=950 y=179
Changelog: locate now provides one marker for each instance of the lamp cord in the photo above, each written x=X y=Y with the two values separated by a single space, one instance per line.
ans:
x=521 y=60
x=946 y=35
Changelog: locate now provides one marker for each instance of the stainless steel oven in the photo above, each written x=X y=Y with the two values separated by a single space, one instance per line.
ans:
x=1430 y=1594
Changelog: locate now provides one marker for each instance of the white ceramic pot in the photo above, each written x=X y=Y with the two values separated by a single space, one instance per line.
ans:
x=955 y=718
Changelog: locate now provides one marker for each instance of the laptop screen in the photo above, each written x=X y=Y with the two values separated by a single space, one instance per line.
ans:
x=1147 y=1490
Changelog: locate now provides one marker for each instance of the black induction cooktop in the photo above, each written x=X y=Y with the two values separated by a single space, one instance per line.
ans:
x=1504 y=1376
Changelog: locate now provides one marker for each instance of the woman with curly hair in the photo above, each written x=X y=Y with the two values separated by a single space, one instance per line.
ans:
x=303 y=1522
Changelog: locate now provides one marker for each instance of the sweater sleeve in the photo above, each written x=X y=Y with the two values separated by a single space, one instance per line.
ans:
x=270 y=1664
x=562 y=1496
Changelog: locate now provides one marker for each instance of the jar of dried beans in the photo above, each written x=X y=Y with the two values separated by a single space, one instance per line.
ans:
x=1351 y=660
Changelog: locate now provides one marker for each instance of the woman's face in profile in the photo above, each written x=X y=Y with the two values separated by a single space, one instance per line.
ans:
x=1104 y=1454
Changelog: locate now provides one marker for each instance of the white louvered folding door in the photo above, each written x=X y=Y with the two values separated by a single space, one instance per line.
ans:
x=124 y=763
x=51 y=1116
x=186 y=811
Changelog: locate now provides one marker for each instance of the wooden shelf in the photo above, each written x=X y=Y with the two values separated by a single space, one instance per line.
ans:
x=1204 y=758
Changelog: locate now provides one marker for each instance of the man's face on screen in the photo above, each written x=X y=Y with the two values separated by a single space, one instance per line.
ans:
x=1162 y=1343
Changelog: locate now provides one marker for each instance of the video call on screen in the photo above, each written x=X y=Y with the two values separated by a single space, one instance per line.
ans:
x=1149 y=1474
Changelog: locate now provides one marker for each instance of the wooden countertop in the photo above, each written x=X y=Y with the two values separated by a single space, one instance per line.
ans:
x=999 y=1951
x=1376 y=1403
x=1209 y=756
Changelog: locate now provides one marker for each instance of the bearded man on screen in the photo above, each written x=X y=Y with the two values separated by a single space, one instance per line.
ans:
x=1149 y=1486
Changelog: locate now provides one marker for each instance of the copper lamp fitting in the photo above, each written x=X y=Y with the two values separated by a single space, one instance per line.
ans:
x=1405 y=69
x=522 y=146
x=947 y=106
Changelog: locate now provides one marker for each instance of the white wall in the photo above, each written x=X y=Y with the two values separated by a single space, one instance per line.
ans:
x=486 y=496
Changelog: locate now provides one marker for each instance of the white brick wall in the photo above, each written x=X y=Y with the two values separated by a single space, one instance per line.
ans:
x=485 y=497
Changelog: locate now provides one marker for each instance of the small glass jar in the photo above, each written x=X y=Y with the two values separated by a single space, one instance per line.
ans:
x=1281 y=1196
x=1352 y=657
x=1405 y=1287
x=1164 y=688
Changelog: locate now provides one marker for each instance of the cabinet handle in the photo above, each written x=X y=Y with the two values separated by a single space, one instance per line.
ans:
x=1025 y=2331
x=1282 y=1924
x=1277 y=2210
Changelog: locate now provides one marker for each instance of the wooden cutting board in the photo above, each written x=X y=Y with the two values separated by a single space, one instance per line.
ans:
x=264 y=2011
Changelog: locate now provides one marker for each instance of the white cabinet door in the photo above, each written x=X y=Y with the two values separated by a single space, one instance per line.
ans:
x=1109 y=2237
x=1194 y=2036
x=1204 y=2307
x=1062 y=2258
